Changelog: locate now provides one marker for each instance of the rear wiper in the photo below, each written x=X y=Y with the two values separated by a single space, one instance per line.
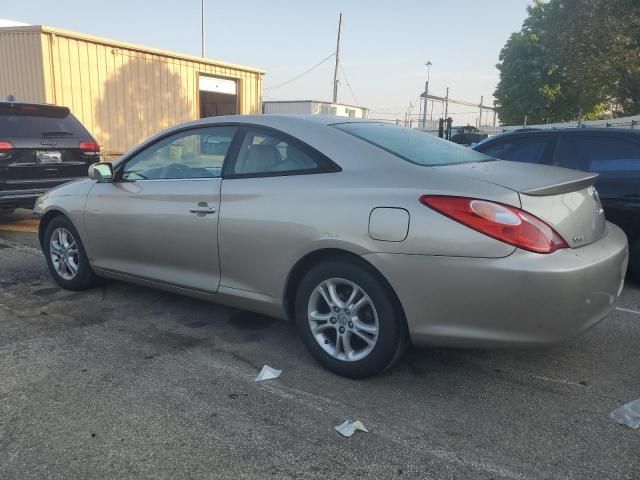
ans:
x=55 y=134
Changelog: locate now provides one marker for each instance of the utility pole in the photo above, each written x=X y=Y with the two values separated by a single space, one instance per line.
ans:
x=480 y=118
x=335 y=73
x=426 y=92
x=202 y=25
x=446 y=105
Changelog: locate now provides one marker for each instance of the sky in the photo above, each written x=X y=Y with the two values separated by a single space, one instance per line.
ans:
x=385 y=44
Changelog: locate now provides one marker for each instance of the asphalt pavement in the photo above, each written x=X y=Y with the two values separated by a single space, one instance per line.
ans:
x=128 y=382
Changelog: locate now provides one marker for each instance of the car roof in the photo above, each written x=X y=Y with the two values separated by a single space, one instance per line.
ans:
x=581 y=131
x=269 y=118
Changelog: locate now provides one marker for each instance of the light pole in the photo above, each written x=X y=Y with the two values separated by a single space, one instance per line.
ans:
x=202 y=26
x=426 y=92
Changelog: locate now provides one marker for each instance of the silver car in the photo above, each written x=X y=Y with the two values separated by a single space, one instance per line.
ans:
x=366 y=234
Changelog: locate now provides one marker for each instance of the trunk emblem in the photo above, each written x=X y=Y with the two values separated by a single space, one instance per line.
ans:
x=46 y=141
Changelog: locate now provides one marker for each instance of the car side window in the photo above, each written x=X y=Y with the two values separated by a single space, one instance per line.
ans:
x=523 y=149
x=264 y=153
x=607 y=155
x=196 y=153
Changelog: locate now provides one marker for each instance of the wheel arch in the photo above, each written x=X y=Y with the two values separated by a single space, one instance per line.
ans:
x=46 y=220
x=311 y=259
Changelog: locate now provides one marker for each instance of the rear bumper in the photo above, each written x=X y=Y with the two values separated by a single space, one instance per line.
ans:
x=523 y=299
x=20 y=198
x=27 y=197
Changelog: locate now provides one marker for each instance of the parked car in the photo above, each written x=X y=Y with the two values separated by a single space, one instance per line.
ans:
x=41 y=146
x=612 y=153
x=368 y=235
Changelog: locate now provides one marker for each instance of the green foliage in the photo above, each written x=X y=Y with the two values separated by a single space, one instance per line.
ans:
x=571 y=56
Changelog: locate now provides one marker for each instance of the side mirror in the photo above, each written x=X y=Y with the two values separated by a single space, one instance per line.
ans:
x=101 y=172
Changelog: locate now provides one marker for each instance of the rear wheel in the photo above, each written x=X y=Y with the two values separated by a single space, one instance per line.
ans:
x=66 y=256
x=348 y=319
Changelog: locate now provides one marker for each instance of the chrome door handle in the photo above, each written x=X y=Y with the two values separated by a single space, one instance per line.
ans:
x=203 y=210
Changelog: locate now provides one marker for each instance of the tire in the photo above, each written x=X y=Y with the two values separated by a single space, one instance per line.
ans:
x=634 y=260
x=373 y=308
x=74 y=271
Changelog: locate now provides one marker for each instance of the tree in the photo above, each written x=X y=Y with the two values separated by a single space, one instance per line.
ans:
x=571 y=56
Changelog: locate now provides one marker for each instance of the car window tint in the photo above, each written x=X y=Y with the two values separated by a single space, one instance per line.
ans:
x=264 y=153
x=411 y=145
x=191 y=154
x=528 y=150
x=602 y=154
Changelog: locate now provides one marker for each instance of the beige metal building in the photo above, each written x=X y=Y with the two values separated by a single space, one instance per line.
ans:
x=122 y=93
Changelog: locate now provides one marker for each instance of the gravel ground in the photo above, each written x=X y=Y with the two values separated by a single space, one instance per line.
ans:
x=128 y=382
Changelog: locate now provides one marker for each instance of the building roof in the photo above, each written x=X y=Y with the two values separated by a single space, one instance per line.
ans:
x=314 y=101
x=115 y=43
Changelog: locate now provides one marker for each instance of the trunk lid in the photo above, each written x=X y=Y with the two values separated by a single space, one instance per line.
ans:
x=565 y=199
x=42 y=163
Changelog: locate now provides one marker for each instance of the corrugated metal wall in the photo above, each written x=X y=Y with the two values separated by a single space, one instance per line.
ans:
x=302 y=107
x=21 y=71
x=124 y=95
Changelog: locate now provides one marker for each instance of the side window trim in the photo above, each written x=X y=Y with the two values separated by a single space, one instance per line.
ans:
x=326 y=165
x=120 y=166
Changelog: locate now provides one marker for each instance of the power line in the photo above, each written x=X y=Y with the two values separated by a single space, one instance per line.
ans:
x=348 y=84
x=278 y=85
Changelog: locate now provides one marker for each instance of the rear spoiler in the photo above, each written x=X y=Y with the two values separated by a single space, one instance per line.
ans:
x=28 y=109
x=583 y=181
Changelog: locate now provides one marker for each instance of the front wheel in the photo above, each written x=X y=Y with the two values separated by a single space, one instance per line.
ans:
x=348 y=319
x=66 y=257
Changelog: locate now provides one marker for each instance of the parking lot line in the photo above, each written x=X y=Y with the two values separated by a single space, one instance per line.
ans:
x=628 y=310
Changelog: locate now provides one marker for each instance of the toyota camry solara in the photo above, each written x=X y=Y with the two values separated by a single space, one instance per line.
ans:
x=368 y=235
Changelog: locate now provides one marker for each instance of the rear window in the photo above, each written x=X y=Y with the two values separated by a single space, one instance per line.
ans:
x=412 y=145
x=35 y=121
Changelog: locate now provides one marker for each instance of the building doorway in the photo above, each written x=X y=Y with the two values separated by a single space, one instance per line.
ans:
x=218 y=96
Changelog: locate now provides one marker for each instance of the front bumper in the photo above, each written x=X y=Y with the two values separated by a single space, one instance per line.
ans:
x=523 y=299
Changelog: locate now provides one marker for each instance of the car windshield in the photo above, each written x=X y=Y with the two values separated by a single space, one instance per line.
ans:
x=412 y=145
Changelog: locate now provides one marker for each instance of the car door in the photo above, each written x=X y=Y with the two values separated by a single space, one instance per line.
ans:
x=270 y=189
x=521 y=147
x=616 y=157
x=158 y=219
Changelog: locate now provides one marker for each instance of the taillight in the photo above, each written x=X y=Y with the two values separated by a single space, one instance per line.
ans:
x=502 y=222
x=6 y=148
x=89 y=149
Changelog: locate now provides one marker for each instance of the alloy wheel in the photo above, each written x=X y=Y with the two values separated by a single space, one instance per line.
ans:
x=63 y=251
x=343 y=319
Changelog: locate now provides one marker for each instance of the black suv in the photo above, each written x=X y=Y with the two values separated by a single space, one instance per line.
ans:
x=41 y=146
x=613 y=153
